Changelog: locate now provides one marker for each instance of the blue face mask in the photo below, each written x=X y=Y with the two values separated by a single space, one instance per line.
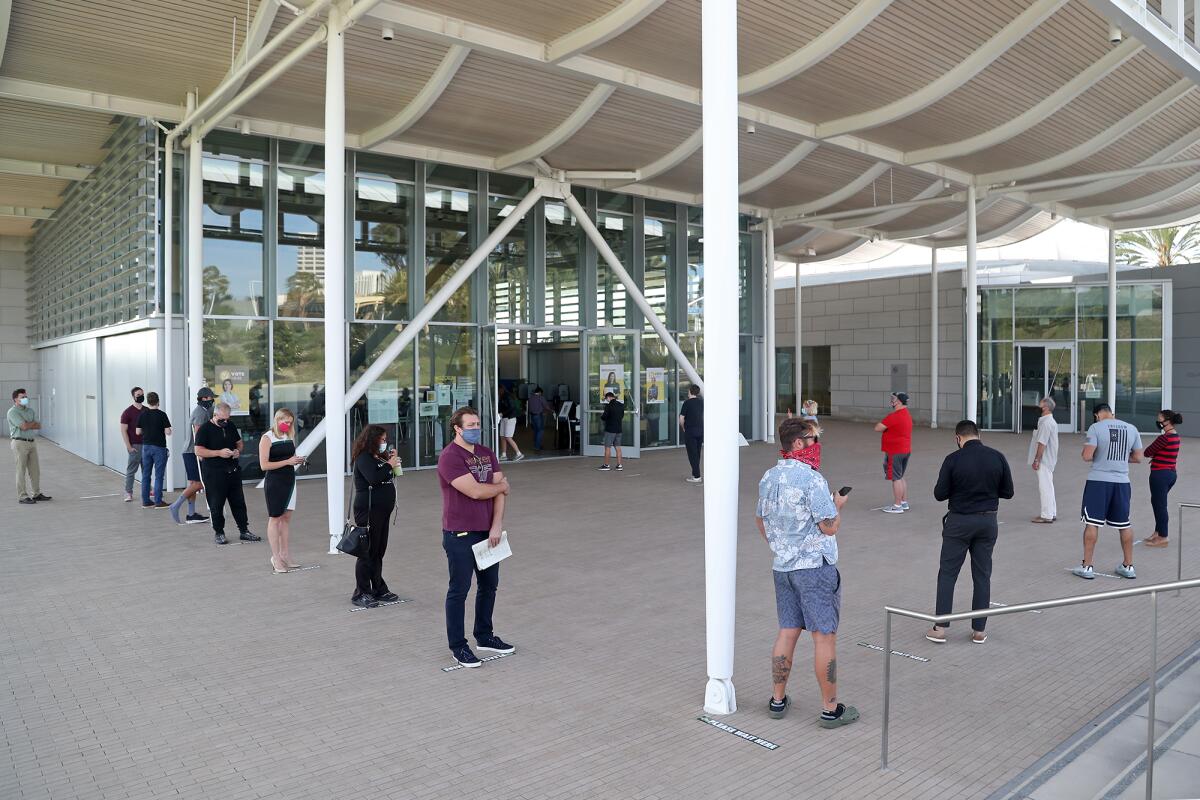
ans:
x=24 y=401
x=383 y=447
x=472 y=435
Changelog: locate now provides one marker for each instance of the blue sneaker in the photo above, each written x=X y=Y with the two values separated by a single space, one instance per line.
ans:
x=464 y=656
x=1085 y=571
x=494 y=644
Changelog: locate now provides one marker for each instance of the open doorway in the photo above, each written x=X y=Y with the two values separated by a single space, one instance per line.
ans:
x=529 y=360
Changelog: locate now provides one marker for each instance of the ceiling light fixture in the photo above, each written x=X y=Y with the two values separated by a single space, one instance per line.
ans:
x=750 y=127
x=1114 y=34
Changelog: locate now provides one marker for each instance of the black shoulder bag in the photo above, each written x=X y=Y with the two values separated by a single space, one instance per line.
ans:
x=356 y=539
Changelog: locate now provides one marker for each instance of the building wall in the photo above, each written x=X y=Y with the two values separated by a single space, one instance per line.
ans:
x=879 y=337
x=18 y=362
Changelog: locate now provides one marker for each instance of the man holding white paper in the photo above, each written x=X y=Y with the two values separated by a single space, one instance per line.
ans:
x=474 y=491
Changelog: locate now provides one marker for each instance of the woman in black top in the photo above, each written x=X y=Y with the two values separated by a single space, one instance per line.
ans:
x=278 y=460
x=374 y=500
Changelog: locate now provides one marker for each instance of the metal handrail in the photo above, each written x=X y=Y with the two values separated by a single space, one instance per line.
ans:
x=941 y=619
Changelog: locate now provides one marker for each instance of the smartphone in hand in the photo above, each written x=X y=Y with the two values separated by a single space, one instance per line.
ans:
x=845 y=490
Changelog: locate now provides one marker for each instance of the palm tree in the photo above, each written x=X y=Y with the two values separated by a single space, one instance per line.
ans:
x=1159 y=247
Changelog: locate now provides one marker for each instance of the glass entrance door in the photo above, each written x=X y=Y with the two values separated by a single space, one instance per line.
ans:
x=1046 y=371
x=612 y=363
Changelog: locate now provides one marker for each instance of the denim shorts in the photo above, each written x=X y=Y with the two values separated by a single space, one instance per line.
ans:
x=809 y=598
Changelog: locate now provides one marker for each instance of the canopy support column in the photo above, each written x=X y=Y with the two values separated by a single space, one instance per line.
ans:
x=933 y=338
x=1111 y=365
x=797 y=362
x=769 y=337
x=720 y=142
x=971 y=323
x=195 y=266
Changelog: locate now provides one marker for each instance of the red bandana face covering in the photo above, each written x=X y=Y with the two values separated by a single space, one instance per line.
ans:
x=810 y=455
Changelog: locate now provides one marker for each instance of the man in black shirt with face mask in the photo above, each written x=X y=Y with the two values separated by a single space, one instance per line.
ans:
x=219 y=446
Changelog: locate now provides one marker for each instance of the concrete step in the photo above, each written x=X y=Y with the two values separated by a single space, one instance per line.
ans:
x=1105 y=760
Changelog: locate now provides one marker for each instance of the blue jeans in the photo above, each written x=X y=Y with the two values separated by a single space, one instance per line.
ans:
x=1161 y=482
x=461 y=560
x=153 y=458
x=539 y=427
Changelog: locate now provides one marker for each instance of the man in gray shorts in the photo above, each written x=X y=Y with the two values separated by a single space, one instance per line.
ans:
x=799 y=519
x=612 y=416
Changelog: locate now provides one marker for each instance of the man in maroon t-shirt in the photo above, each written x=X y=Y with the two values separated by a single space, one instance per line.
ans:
x=896 y=443
x=474 y=491
x=132 y=439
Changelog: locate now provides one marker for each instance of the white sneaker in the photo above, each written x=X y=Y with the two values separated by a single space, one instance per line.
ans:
x=904 y=505
x=694 y=480
x=893 y=509
x=520 y=457
x=504 y=456
x=128 y=497
x=1085 y=572
x=1126 y=572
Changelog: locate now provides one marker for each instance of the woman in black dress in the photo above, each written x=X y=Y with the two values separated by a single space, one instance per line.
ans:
x=278 y=460
x=374 y=500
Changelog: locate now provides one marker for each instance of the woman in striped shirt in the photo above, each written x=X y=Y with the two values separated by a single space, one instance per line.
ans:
x=1163 y=452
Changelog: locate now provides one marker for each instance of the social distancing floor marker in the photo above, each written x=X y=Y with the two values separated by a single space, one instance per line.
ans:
x=481 y=661
x=381 y=605
x=299 y=569
x=741 y=734
x=1098 y=574
x=1005 y=605
x=869 y=646
x=98 y=496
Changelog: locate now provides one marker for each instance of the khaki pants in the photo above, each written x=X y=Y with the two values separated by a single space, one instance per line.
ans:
x=27 y=468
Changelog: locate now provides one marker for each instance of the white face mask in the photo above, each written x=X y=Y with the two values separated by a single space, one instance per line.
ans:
x=383 y=447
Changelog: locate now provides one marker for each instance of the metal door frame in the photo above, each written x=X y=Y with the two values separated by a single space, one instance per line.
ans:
x=1047 y=346
x=633 y=387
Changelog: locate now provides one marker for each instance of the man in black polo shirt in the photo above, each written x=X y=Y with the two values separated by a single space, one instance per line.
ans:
x=691 y=425
x=973 y=479
x=219 y=447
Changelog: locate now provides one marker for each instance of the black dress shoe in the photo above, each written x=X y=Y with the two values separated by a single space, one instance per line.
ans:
x=41 y=498
x=27 y=501
x=363 y=601
x=220 y=538
x=247 y=536
x=387 y=597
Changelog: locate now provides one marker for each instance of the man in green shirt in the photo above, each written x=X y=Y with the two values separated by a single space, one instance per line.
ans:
x=22 y=430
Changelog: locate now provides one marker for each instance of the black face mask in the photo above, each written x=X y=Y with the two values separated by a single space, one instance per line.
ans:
x=206 y=403
x=1160 y=424
x=221 y=422
x=138 y=398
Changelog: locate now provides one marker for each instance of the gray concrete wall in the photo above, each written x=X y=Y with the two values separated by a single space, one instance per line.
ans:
x=875 y=328
x=18 y=363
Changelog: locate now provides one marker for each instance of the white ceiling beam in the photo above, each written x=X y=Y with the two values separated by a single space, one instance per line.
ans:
x=681 y=153
x=884 y=217
x=1101 y=140
x=852 y=188
x=38 y=169
x=1038 y=113
x=5 y=20
x=853 y=245
x=816 y=50
x=561 y=133
x=1150 y=220
x=801 y=240
x=83 y=100
x=601 y=30
x=442 y=28
x=23 y=212
x=778 y=169
x=994 y=233
x=1138 y=203
x=424 y=99
x=256 y=37
x=961 y=73
x=934 y=228
x=1135 y=19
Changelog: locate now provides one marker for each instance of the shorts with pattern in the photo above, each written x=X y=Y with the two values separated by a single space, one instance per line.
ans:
x=809 y=598
x=895 y=465
x=1106 y=503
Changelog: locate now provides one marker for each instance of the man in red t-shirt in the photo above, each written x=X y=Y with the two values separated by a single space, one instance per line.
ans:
x=474 y=491
x=132 y=439
x=896 y=443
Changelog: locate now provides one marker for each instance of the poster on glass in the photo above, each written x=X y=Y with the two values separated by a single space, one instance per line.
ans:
x=235 y=382
x=656 y=381
x=612 y=379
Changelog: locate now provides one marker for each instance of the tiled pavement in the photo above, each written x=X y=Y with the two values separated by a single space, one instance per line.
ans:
x=137 y=660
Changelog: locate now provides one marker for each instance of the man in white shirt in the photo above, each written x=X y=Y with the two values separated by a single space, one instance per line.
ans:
x=1043 y=455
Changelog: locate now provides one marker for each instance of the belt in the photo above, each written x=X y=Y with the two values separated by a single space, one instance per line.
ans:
x=971 y=513
x=21 y=439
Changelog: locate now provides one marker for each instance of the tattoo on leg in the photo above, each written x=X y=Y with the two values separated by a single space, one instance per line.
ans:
x=831 y=671
x=781 y=667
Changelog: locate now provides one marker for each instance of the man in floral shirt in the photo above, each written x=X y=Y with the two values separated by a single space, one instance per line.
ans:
x=799 y=519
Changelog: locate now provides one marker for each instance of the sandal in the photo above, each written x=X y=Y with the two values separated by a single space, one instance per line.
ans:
x=849 y=714
x=1042 y=521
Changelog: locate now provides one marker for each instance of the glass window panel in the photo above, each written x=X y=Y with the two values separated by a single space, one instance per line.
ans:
x=1090 y=359
x=508 y=265
x=239 y=347
x=1139 y=312
x=996 y=314
x=300 y=254
x=447 y=381
x=744 y=293
x=447 y=245
x=233 y=237
x=443 y=175
x=745 y=387
x=1139 y=383
x=611 y=300
x=387 y=167
x=659 y=421
x=785 y=378
x=564 y=257
x=695 y=278
x=508 y=185
x=1045 y=313
x=302 y=154
x=996 y=386
x=300 y=380
x=692 y=346
x=658 y=283
x=391 y=400
x=618 y=203
x=382 y=220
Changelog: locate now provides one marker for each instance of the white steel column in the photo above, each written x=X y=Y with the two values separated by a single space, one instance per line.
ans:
x=168 y=275
x=971 y=323
x=195 y=265
x=933 y=338
x=769 y=337
x=720 y=142
x=1111 y=365
x=335 y=273
x=797 y=363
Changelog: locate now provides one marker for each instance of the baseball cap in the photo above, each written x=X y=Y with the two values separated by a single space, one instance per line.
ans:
x=204 y=393
x=901 y=396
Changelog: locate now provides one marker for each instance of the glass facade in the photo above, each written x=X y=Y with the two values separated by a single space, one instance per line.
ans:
x=1029 y=334
x=544 y=285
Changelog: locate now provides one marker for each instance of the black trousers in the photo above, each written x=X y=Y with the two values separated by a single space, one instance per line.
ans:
x=962 y=534
x=460 y=559
x=221 y=486
x=693 y=445
x=368 y=571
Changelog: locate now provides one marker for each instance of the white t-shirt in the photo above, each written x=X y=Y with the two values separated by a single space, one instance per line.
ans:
x=1047 y=434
